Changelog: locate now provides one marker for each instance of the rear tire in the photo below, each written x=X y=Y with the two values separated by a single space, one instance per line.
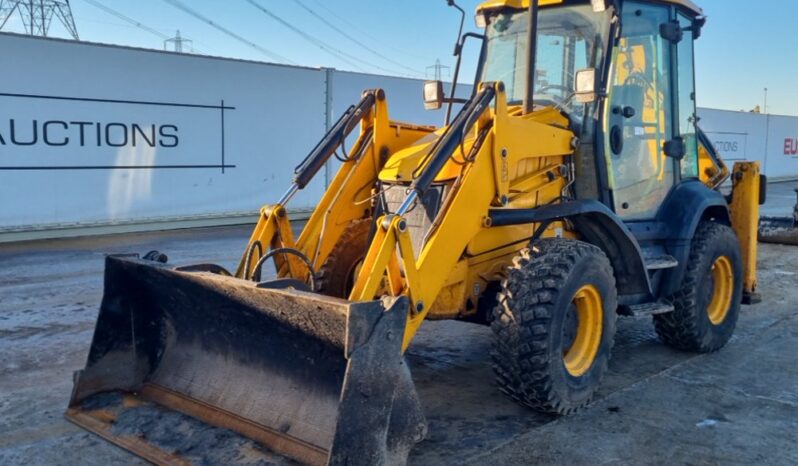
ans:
x=554 y=325
x=336 y=277
x=707 y=306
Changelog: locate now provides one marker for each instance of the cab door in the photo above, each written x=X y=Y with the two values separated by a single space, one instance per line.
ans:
x=639 y=118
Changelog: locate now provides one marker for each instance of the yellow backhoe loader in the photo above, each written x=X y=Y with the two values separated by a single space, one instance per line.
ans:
x=572 y=186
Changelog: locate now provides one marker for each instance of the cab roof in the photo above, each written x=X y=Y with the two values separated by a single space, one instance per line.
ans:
x=523 y=4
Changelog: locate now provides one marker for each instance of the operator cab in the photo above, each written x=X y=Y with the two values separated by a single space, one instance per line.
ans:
x=622 y=71
x=570 y=39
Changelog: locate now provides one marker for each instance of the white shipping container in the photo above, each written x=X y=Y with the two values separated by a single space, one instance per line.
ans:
x=770 y=139
x=93 y=134
x=96 y=135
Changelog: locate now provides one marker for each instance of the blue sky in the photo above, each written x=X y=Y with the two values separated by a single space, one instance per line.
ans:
x=744 y=49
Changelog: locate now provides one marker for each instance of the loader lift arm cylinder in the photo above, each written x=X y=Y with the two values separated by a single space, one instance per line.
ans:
x=449 y=142
x=325 y=149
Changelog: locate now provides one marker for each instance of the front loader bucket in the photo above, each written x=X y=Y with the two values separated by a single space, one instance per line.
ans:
x=317 y=379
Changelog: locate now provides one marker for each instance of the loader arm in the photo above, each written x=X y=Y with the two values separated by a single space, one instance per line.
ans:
x=345 y=199
x=485 y=183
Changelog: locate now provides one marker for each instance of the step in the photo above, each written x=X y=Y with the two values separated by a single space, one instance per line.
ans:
x=647 y=309
x=661 y=262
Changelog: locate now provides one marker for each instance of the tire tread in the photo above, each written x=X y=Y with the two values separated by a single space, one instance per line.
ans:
x=522 y=322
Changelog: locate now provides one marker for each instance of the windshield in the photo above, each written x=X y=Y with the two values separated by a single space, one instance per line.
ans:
x=570 y=38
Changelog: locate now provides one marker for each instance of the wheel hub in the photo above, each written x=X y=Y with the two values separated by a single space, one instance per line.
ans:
x=720 y=289
x=570 y=326
x=582 y=333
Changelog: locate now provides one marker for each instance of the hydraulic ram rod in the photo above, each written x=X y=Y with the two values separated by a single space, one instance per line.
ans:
x=453 y=138
x=334 y=138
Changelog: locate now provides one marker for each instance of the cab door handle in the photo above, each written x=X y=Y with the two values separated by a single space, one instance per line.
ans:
x=616 y=140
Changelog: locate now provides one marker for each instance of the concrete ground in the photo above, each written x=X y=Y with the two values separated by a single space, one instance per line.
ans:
x=656 y=406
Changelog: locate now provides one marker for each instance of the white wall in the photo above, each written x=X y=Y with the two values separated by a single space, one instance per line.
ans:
x=273 y=116
x=770 y=139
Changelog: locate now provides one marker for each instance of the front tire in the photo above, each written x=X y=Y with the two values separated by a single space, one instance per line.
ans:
x=554 y=325
x=336 y=277
x=707 y=306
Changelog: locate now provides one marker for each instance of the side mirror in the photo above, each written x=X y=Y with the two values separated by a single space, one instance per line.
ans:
x=433 y=95
x=585 y=86
x=481 y=21
x=698 y=25
x=599 y=5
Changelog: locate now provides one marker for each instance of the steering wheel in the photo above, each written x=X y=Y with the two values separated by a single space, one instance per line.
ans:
x=640 y=80
x=564 y=90
x=551 y=100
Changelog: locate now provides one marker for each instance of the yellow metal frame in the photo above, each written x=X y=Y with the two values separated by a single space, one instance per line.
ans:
x=723 y=290
x=345 y=199
x=522 y=162
x=712 y=172
x=589 y=307
x=272 y=231
x=506 y=165
x=745 y=217
x=440 y=281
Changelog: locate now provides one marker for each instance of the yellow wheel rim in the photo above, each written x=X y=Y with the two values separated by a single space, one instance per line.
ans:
x=580 y=355
x=722 y=290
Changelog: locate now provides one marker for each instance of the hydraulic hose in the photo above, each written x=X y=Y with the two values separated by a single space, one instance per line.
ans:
x=256 y=274
x=251 y=250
